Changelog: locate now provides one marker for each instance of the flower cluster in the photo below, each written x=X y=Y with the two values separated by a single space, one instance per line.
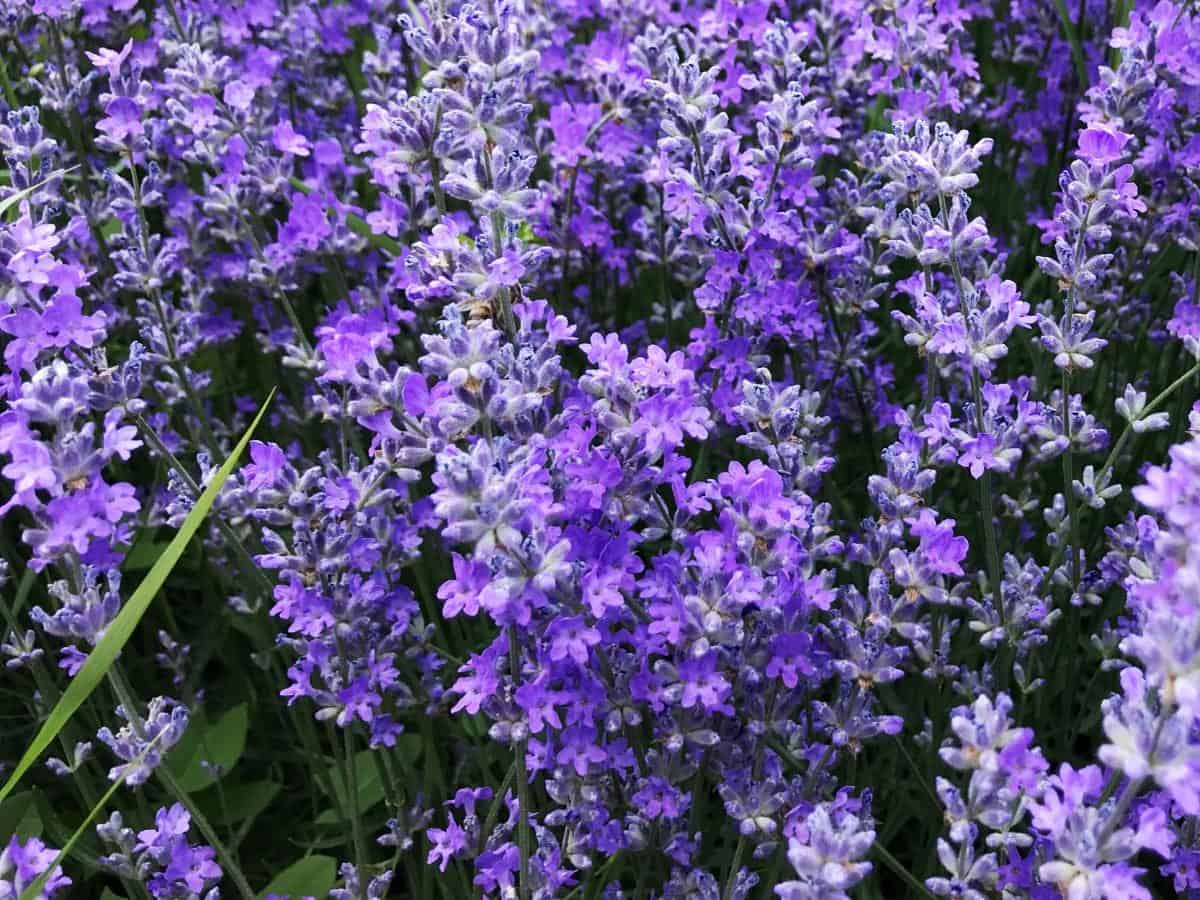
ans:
x=719 y=450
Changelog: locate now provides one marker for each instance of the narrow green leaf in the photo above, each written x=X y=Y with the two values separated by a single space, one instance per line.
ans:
x=118 y=633
x=109 y=895
x=1073 y=39
x=143 y=553
x=312 y=876
x=220 y=745
x=239 y=803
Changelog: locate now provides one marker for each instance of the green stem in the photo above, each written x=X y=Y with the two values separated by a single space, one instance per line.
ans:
x=734 y=867
x=494 y=813
x=10 y=95
x=1069 y=480
x=522 y=776
x=985 y=483
x=1126 y=435
x=894 y=864
x=360 y=842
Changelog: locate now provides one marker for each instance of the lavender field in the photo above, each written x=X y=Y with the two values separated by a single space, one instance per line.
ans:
x=600 y=450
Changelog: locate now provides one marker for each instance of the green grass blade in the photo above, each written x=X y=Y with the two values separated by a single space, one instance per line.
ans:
x=1076 y=47
x=13 y=199
x=104 y=654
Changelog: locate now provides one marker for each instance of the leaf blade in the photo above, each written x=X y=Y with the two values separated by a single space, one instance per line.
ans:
x=308 y=876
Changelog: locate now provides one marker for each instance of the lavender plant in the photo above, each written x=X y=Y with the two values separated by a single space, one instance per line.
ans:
x=721 y=450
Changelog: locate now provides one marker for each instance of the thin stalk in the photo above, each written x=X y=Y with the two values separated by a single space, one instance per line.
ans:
x=898 y=868
x=435 y=168
x=75 y=133
x=494 y=813
x=507 y=322
x=668 y=303
x=1126 y=434
x=207 y=431
x=239 y=549
x=80 y=781
x=360 y=841
x=1068 y=462
x=1117 y=816
x=1073 y=39
x=735 y=866
x=10 y=95
x=522 y=776
x=985 y=483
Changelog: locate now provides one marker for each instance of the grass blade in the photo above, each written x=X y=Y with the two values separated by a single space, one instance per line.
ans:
x=1072 y=36
x=104 y=654
x=13 y=199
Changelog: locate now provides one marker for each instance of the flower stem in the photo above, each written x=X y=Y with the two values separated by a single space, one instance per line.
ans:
x=522 y=776
x=734 y=867
x=1069 y=481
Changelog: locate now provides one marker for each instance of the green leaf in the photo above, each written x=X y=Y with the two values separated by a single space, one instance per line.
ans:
x=19 y=816
x=142 y=554
x=109 y=895
x=105 y=653
x=241 y=803
x=312 y=876
x=370 y=785
x=221 y=745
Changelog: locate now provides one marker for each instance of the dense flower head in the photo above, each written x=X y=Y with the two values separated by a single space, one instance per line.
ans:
x=714 y=449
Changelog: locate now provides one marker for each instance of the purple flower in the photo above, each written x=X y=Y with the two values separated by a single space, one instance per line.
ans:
x=1101 y=145
x=122 y=119
x=23 y=861
x=286 y=140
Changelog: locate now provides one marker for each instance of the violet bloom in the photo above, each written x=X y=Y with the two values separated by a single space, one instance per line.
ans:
x=122 y=120
x=1101 y=144
x=22 y=862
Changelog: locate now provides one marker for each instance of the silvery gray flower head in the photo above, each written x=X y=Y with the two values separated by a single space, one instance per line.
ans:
x=922 y=164
x=80 y=754
x=688 y=95
x=83 y=615
x=983 y=729
x=142 y=743
x=827 y=856
x=1092 y=493
x=1131 y=406
x=495 y=182
x=1070 y=342
x=969 y=878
